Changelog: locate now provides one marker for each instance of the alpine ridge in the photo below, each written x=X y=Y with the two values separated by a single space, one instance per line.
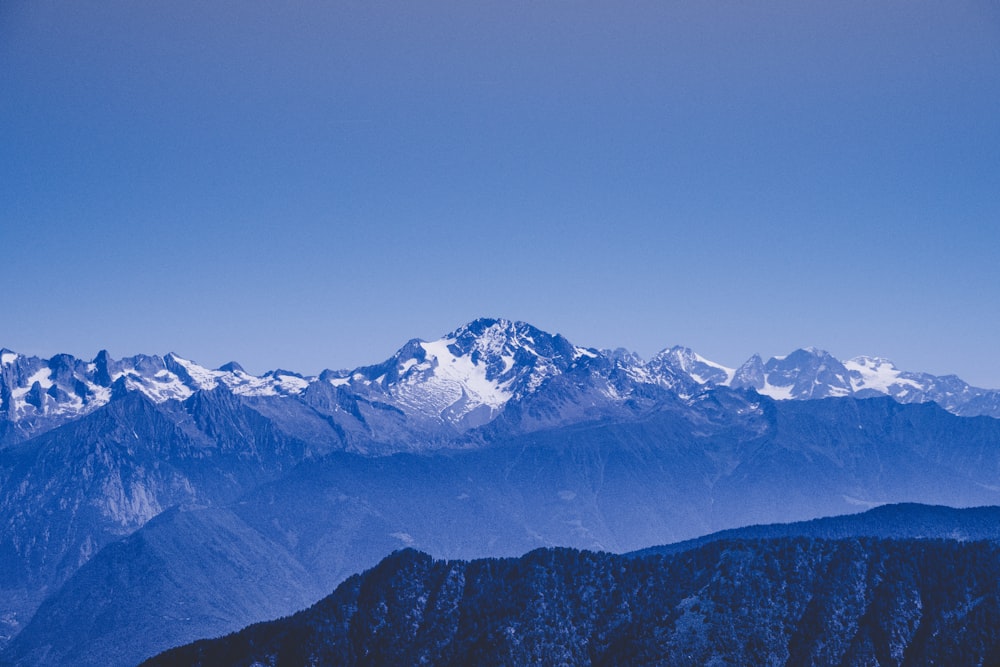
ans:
x=460 y=381
x=496 y=439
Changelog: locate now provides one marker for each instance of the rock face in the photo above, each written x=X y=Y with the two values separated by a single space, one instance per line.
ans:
x=495 y=440
x=788 y=601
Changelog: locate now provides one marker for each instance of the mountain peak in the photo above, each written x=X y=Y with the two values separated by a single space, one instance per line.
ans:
x=468 y=375
x=686 y=362
x=872 y=362
x=480 y=325
x=809 y=351
x=493 y=335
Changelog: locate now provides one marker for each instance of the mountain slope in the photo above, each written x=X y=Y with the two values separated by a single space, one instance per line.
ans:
x=100 y=612
x=667 y=475
x=787 y=601
x=72 y=490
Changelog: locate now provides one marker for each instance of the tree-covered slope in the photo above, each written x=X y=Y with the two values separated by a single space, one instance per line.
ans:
x=793 y=601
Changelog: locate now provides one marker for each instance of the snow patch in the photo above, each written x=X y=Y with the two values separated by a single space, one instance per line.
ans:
x=777 y=392
x=203 y=378
x=292 y=384
x=730 y=372
x=43 y=377
x=449 y=380
x=159 y=388
x=878 y=374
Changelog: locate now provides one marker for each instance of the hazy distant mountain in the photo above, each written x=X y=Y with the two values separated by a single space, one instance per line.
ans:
x=759 y=602
x=496 y=439
x=899 y=521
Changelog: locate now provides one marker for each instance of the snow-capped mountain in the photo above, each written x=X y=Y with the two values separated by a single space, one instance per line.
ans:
x=685 y=363
x=494 y=439
x=811 y=373
x=803 y=374
x=460 y=381
x=39 y=394
x=465 y=378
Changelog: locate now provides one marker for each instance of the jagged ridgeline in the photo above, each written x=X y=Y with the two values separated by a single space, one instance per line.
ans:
x=147 y=502
x=788 y=601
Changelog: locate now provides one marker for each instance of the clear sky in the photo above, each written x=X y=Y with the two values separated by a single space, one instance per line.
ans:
x=309 y=185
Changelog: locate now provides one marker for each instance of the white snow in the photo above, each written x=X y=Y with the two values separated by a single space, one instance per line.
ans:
x=203 y=378
x=709 y=362
x=639 y=373
x=42 y=376
x=730 y=372
x=777 y=392
x=508 y=362
x=8 y=358
x=447 y=386
x=159 y=388
x=454 y=377
x=272 y=384
x=99 y=395
x=292 y=384
x=875 y=373
x=165 y=385
x=69 y=404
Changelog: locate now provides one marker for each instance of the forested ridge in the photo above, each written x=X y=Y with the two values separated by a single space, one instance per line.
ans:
x=791 y=601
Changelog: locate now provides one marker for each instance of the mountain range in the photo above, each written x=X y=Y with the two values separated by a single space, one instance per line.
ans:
x=166 y=502
x=462 y=380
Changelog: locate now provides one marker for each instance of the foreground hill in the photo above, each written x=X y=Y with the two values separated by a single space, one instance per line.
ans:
x=790 y=601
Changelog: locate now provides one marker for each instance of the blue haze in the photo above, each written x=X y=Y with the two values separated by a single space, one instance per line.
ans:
x=309 y=187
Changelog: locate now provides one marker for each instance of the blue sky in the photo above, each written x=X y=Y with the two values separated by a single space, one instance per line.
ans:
x=310 y=186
